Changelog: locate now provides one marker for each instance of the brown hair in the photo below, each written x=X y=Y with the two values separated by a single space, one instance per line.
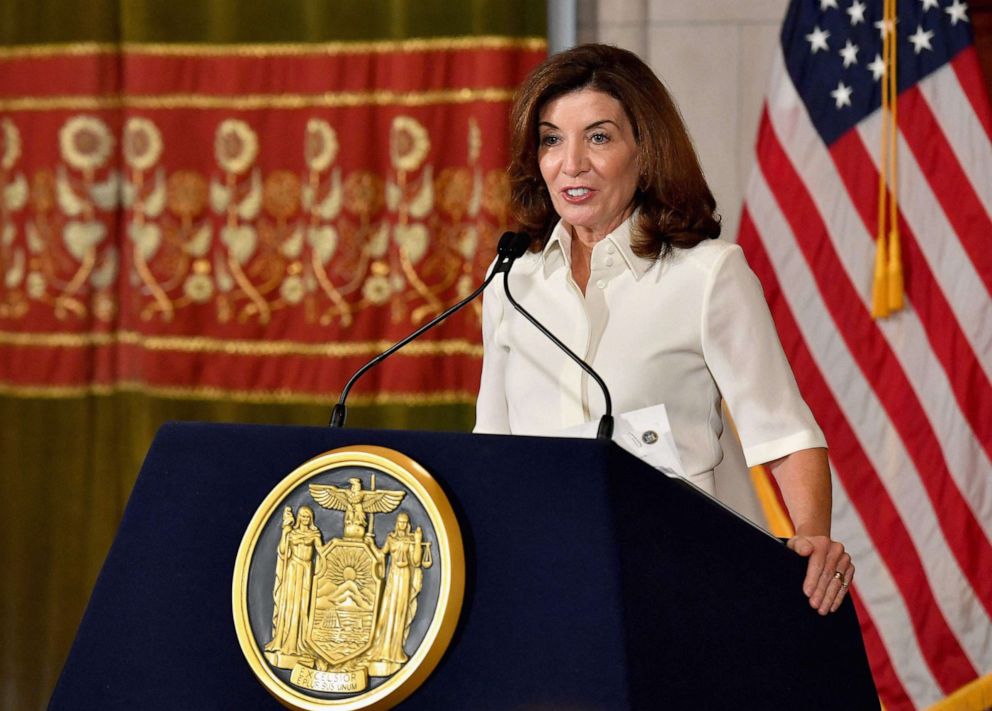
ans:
x=676 y=206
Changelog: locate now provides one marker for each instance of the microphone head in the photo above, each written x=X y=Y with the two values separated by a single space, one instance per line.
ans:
x=513 y=244
x=506 y=244
x=519 y=244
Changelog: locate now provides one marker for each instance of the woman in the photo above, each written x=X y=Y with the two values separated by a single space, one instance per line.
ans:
x=399 y=600
x=626 y=269
x=294 y=578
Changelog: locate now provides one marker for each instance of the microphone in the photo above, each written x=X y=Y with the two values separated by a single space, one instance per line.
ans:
x=605 y=430
x=512 y=246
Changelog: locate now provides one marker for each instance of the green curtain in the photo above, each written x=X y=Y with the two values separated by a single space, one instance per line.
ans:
x=70 y=456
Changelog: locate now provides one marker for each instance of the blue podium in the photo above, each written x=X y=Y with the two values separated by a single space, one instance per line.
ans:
x=592 y=582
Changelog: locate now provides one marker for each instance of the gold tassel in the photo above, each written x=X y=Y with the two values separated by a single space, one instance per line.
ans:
x=880 y=287
x=894 y=276
x=894 y=280
x=880 y=291
x=888 y=286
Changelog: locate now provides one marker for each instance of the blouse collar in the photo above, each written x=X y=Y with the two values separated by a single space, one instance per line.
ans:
x=558 y=250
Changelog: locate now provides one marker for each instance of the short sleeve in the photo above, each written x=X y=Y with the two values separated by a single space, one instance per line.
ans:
x=745 y=357
x=491 y=415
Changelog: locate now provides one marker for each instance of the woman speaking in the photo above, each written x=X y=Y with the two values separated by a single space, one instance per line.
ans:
x=627 y=269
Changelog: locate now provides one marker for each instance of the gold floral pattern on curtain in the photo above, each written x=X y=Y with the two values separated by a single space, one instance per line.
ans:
x=233 y=238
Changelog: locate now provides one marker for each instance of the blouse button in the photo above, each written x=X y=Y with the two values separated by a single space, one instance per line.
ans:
x=611 y=249
x=601 y=284
x=609 y=261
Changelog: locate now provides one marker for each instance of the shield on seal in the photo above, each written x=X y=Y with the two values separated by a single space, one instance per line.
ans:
x=347 y=588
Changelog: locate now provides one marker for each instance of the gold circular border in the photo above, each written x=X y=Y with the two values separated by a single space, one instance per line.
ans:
x=450 y=595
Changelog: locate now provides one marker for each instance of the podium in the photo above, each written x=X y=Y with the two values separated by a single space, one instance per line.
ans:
x=592 y=582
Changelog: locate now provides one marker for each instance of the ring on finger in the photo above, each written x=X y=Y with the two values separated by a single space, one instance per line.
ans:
x=840 y=576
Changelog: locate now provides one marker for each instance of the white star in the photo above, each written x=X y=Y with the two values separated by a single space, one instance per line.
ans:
x=877 y=68
x=921 y=39
x=927 y=4
x=818 y=39
x=824 y=4
x=957 y=12
x=842 y=95
x=857 y=12
x=850 y=54
x=884 y=26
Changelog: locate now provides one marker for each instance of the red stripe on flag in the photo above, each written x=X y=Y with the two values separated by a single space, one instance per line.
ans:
x=971 y=387
x=939 y=646
x=878 y=363
x=972 y=81
x=950 y=185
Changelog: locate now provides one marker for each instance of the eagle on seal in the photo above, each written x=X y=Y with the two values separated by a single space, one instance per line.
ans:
x=355 y=501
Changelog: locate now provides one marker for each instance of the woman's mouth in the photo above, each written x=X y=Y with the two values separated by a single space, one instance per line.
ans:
x=576 y=194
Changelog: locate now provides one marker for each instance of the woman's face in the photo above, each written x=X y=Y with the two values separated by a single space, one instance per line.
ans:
x=588 y=159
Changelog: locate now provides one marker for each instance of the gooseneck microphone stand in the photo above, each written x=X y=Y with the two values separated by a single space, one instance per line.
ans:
x=511 y=246
x=605 y=430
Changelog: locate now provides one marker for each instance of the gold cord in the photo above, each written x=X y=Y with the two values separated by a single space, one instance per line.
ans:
x=887 y=290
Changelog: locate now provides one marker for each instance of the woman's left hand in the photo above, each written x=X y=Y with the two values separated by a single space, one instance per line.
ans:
x=828 y=573
x=804 y=479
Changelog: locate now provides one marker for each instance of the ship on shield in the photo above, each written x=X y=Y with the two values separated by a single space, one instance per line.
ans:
x=343 y=608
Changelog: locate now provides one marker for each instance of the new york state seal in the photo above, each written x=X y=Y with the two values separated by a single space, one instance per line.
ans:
x=349 y=581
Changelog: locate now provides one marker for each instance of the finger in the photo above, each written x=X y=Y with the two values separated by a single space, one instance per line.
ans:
x=838 y=587
x=838 y=599
x=806 y=547
x=800 y=545
x=843 y=590
x=822 y=570
x=833 y=595
x=828 y=573
x=814 y=572
x=842 y=566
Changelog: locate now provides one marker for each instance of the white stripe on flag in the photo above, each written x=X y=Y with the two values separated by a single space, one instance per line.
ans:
x=953 y=111
x=950 y=265
x=966 y=459
x=881 y=600
x=953 y=594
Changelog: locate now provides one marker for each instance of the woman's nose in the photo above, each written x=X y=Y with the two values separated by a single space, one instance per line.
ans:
x=576 y=159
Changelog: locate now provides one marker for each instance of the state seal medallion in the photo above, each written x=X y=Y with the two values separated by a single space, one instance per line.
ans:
x=349 y=581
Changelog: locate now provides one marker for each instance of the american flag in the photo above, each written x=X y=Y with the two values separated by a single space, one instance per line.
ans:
x=905 y=401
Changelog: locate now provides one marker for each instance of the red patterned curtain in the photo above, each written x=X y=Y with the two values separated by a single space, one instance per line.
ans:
x=219 y=211
x=254 y=220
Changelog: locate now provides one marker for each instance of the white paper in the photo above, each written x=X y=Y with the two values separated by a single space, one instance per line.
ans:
x=629 y=429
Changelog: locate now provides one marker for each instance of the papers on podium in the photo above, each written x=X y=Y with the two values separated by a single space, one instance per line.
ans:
x=645 y=433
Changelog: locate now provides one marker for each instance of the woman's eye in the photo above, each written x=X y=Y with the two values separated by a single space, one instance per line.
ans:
x=599 y=138
x=549 y=140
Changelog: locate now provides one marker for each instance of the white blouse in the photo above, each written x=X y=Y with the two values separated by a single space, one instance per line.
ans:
x=685 y=331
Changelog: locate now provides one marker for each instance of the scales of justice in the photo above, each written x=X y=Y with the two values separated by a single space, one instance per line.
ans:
x=343 y=608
